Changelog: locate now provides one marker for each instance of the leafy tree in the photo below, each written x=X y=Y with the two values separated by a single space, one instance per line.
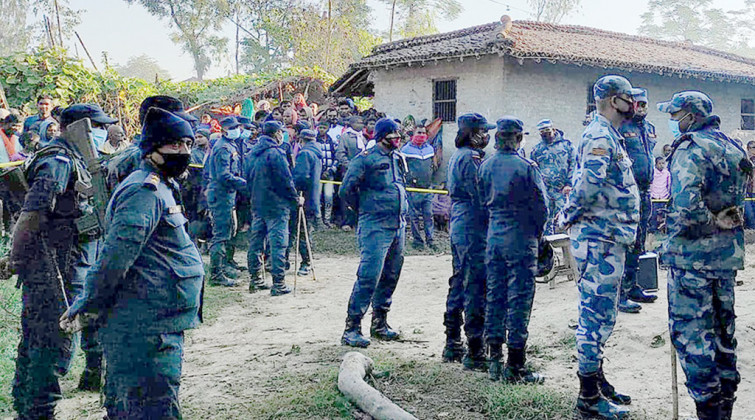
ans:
x=143 y=67
x=700 y=23
x=267 y=41
x=196 y=23
x=420 y=17
x=18 y=35
x=15 y=36
x=552 y=11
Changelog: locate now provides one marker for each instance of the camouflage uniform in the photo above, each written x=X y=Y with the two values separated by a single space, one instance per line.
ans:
x=556 y=162
x=603 y=211
x=708 y=175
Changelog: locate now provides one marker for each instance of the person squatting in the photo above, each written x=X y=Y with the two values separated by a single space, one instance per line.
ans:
x=134 y=284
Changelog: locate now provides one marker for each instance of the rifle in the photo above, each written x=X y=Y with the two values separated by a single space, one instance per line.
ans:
x=79 y=135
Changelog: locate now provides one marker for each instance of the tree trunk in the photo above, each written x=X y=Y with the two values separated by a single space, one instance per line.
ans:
x=237 y=38
x=393 y=13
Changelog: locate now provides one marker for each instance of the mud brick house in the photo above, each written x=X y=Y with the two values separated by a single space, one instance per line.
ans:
x=536 y=70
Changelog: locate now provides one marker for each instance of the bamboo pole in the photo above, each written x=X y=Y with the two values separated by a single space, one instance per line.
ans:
x=86 y=51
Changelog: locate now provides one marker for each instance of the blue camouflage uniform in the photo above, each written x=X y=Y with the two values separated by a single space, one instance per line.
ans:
x=709 y=172
x=374 y=187
x=224 y=182
x=273 y=195
x=514 y=195
x=556 y=160
x=44 y=352
x=603 y=212
x=123 y=163
x=420 y=162
x=639 y=142
x=306 y=175
x=147 y=288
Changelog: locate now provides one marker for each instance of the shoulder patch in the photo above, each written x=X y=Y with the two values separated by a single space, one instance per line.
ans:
x=598 y=151
x=175 y=209
x=152 y=181
x=629 y=134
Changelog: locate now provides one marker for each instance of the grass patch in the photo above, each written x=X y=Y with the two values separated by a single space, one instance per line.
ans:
x=10 y=329
x=217 y=298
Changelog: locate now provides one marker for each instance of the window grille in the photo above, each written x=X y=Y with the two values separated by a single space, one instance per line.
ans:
x=444 y=100
x=748 y=114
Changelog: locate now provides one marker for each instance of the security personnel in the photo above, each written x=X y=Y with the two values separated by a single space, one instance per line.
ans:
x=602 y=214
x=639 y=141
x=555 y=157
x=46 y=234
x=146 y=286
x=307 y=181
x=419 y=157
x=273 y=195
x=466 y=291
x=129 y=159
x=225 y=181
x=374 y=188
x=514 y=195
x=704 y=249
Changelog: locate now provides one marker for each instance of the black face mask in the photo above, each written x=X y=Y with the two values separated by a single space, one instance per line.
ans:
x=175 y=163
x=638 y=117
x=629 y=114
x=480 y=140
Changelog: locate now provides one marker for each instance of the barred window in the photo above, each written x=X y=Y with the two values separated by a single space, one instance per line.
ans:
x=590 y=100
x=748 y=114
x=444 y=100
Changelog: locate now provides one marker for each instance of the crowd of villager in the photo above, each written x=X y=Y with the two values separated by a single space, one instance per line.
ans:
x=108 y=232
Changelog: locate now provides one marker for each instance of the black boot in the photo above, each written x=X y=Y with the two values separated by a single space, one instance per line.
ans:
x=257 y=283
x=279 y=287
x=609 y=392
x=352 y=335
x=380 y=329
x=709 y=410
x=728 y=391
x=627 y=305
x=638 y=295
x=230 y=261
x=475 y=358
x=495 y=354
x=516 y=373
x=91 y=377
x=454 y=350
x=217 y=269
x=592 y=405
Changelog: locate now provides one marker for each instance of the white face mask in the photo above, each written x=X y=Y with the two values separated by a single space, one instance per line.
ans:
x=233 y=134
x=99 y=135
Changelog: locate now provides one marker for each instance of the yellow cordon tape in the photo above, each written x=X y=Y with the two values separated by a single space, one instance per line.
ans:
x=325 y=181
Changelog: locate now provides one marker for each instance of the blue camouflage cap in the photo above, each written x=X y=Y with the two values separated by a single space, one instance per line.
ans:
x=272 y=126
x=640 y=94
x=474 y=121
x=510 y=124
x=611 y=85
x=229 y=123
x=245 y=121
x=543 y=124
x=693 y=101
x=308 y=134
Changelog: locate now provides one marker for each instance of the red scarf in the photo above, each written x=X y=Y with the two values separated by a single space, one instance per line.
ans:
x=10 y=147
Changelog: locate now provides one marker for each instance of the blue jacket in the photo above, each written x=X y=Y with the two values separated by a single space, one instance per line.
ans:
x=271 y=185
x=307 y=174
x=556 y=161
x=149 y=275
x=639 y=142
x=514 y=196
x=224 y=168
x=467 y=214
x=123 y=164
x=199 y=155
x=706 y=178
x=420 y=162
x=374 y=186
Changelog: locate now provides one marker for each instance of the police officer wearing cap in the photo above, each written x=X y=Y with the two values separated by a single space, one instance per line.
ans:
x=129 y=159
x=513 y=194
x=555 y=156
x=639 y=141
x=704 y=249
x=224 y=171
x=374 y=188
x=307 y=181
x=465 y=304
x=145 y=289
x=602 y=215
x=50 y=256
x=273 y=195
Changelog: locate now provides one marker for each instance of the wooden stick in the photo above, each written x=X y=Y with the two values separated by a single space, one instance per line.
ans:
x=60 y=32
x=309 y=244
x=674 y=385
x=86 y=51
x=296 y=248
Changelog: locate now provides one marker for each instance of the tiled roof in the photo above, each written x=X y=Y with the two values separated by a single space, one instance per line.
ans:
x=563 y=43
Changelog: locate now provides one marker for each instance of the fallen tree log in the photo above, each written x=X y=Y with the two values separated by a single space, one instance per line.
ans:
x=354 y=368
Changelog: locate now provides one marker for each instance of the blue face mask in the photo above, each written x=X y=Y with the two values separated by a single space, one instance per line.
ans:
x=245 y=134
x=99 y=135
x=673 y=126
x=233 y=134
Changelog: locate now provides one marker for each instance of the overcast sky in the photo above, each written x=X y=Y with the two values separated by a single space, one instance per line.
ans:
x=128 y=30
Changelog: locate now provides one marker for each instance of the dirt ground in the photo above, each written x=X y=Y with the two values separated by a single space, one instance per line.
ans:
x=229 y=363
